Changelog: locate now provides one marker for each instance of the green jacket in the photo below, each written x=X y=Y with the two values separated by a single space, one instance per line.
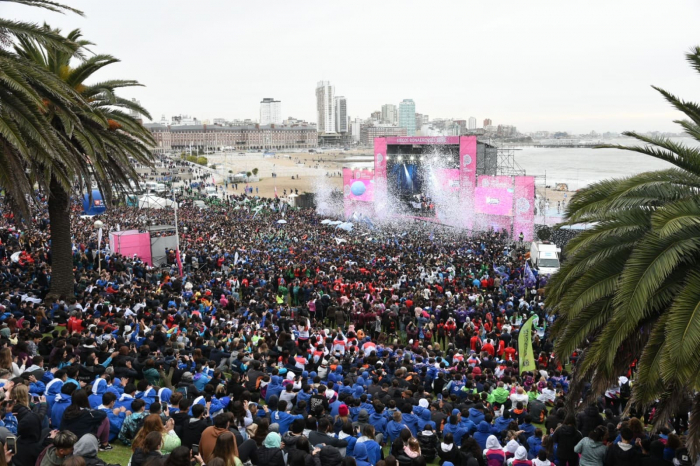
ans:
x=499 y=395
x=152 y=376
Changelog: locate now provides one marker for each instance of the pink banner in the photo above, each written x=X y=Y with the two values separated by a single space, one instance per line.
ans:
x=524 y=219
x=361 y=190
x=494 y=201
x=495 y=181
x=131 y=243
x=467 y=178
x=420 y=140
x=448 y=179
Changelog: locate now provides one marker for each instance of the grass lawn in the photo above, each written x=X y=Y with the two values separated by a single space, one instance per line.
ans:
x=119 y=455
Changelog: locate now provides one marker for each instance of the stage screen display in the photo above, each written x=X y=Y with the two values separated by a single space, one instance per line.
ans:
x=493 y=201
x=361 y=190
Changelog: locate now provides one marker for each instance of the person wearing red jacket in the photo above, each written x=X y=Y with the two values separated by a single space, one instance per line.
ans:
x=488 y=347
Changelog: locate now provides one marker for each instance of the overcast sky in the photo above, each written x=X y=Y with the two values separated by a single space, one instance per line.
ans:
x=539 y=65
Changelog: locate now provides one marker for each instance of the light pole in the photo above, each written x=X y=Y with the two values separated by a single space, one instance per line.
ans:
x=99 y=224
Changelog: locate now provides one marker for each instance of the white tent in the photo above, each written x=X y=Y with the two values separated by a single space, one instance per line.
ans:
x=149 y=201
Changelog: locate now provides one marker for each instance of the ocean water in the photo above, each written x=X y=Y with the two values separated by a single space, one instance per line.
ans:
x=576 y=167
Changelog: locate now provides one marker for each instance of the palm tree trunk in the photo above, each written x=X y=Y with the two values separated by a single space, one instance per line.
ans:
x=61 y=243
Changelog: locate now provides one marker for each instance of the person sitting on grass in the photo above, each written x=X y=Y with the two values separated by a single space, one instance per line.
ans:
x=61 y=447
x=132 y=422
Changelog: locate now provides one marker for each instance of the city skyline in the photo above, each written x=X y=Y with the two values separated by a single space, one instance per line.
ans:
x=573 y=69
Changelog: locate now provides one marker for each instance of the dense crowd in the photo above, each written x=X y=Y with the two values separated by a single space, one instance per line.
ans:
x=293 y=344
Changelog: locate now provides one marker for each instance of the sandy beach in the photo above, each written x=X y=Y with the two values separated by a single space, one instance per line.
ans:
x=311 y=171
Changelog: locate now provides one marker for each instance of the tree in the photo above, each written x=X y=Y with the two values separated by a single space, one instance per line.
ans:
x=630 y=290
x=202 y=161
x=255 y=172
x=248 y=174
x=29 y=147
x=102 y=139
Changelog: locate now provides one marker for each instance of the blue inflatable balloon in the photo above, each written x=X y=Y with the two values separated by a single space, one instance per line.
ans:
x=358 y=188
x=96 y=207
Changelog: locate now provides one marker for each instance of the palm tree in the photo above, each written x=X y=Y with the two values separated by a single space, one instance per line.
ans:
x=26 y=137
x=630 y=289
x=104 y=142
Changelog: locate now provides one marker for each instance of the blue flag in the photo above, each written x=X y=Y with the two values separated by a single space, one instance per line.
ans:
x=529 y=277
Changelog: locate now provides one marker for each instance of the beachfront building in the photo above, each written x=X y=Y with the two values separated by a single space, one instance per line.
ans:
x=407 y=116
x=389 y=114
x=341 y=115
x=325 y=108
x=379 y=130
x=270 y=112
x=251 y=137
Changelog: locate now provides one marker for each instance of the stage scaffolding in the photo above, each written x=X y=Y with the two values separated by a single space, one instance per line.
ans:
x=507 y=166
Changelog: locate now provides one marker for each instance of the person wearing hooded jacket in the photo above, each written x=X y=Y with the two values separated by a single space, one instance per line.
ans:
x=566 y=437
x=448 y=452
x=589 y=419
x=520 y=458
x=493 y=453
x=281 y=417
x=483 y=431
x=61 y=403
x=378 y=420
x=270 y=453
x=428 y=442
x=360 y=455
x=337 y=375
x=87 y=448
x=274 y=388
x=623 y=453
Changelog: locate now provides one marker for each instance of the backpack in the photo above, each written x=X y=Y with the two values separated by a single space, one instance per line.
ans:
x=625 y=391
x=182 y=390
x=683 y=457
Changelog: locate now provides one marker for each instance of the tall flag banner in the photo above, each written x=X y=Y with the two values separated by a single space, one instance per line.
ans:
x=525 y=354
x=529 y=277
x=275 y=192
x=179 y=261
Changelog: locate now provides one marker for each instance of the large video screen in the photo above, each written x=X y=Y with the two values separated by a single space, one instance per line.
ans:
x=493 y=201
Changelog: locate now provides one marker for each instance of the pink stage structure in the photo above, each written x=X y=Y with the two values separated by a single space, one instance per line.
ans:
x=130 y=243
x=449 y=180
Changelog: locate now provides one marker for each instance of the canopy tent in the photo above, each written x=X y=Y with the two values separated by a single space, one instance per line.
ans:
x=149 y=201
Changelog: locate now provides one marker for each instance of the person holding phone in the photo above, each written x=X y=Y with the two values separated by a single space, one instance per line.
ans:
x=29 y=425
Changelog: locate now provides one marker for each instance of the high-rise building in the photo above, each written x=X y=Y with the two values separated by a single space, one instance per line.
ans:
x=341 y=115
x=407 y=116
x=355 y=129
x=472 y=123
x=487 y=122
x=270 y=111
x=325 y=107
x=376 y=116
x=419 y=121
x=389 y=114
x=133 y=113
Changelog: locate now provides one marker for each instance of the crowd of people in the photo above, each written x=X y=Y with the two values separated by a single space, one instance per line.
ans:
x=293 y=344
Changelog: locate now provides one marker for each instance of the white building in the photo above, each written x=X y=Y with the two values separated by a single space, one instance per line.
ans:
x=270 y=112
x=472 y=123
x=356 y=129
x=341 y=115
x=325 y=107
x=389 y=114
